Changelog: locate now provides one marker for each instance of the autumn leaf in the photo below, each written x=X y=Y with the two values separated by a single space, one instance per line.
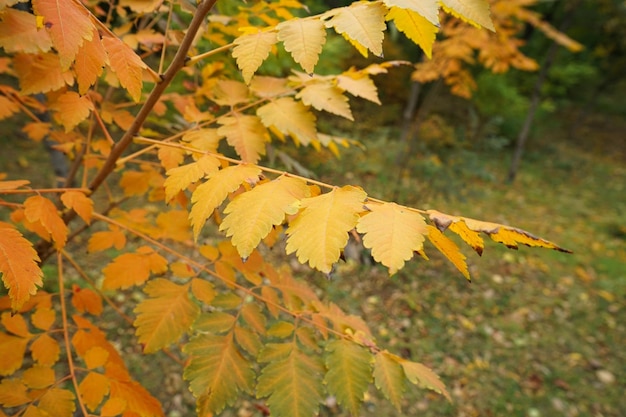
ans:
x=304 y=39
x=389 y=377
x=13 y=185
x=393 y=233
x=359 y=85
x=216 y=371
x=133 y=268
x=44 y=350
x=38 y=377
x=210 y=194
x=290 y=117
x=86 y=300
x=320 y=231
x=90 y=62
x=93 y=388
x=229 y=93
x=58 y=402
x=181 y=177
x=125 y=63
x=19 y=33
x=100 y=241
x=251 y=215
x=361 y=23
x=421 y=375
x=19 y=266
x=251 y=50
x=449 y=249
x=71 y=109
x=428 y=9
x=293 y=384
x=349 y=372
x=475 y=12
x=246 y=134
x=40 y=73
x=38 y=209
x=416 y=27
x=68 y=24
x=327 y=97
x=80 y=203
x=13 y=393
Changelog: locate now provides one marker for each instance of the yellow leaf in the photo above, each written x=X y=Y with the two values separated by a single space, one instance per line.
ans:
x=475 y=12
x=248 y=340
x=126 y=65
x=137 y=399
x=389 y=378
x=292 y=384
x=246 y=134
x=251 y=215
x=41 y=210
x=181 y=177
x=428 y=9
x=359 y=85
x=18 y=264
x=349 y=373
x=45 y=350
x=217 y=371
x=320 y=231
x=58 y=402
x=174 y=225
x=281 y=329
x=132 y=268
x=210 y=194
x=215 y=322
x=252 y=314
x=393 y=233
x=19 y=32
x=206 y=140
x=469 y=236
x=170 y=157
x=421 y=375
x=13 y=393
x=68 y=24
x=290 y=117
x=93 y=388
x=203 y=290
x=104 y=240
x=38 y=377
x=40 y=73
x=415 y=27
x=449 y=249
x=165 y=315
x=96 y=357
x=362 y=23
x=43 y=318
x=251 y=50
x=327 y=97
x=80 y=203
x=229 y=93
x=304 y=39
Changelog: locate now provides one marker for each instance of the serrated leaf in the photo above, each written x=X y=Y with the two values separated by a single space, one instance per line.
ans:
x=421 y=375
x=304 y=39
x=86 y=301
x=449 y=249
x=293 y=385
x=203 y=290
x=21 y=274
x=12 y=349
x=100 y=241
x=58 y=402
x=327 y=97
x=248 y=340
x=246 y=134
x=428 y=9
x=363 y=23
x=217 y=372
x=138 y=400
x=359 y=85
x=320 y=231
x=215 y=322
x=43 y=318
x=210 y=194
x=349 y=373
x=416 y=27
x=126 y=65
x=229 y=93
x=281 y=329
x=40 y=73
x=393 y=233
x=90 y=61
x=38 y=209
x=475 y=12
x=38 y=377
x=19 y=32
x=389 y=377
x=15 y=323
x=93 y=388
x=68 y=24
x=13 y=393
x=252 y=314
x=71 y=109
x=165 y=315
x=45 y=350
x=181 y=177
x=290 y=117
x=80 y=203
x=251 y=50
x=133 y=268
x=251 y=215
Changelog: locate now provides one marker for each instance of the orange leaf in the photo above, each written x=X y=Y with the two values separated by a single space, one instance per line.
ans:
x=174 y=225
x=12 y=350
x=40 y=73
x=202 y=290
x=86 y=300
x=38 y=377
x=80 y=203
x=90 y=61
x=133 y=268
x=43 y=318
x=68 y=24
x=13 y=185
x=18 y=265
x=58 y=402
x=138 y=399
x=93 y=388
x=449 y=249
x=125 y=63
x=96 y=357
x=71 y=109
x=13 y=393
x=40 y=209
x=45 y=350
x=19 y=33
x=104 y=240
x=113 y=407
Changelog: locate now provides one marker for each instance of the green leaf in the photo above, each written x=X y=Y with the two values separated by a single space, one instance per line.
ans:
x=349 y=372
x=217 y=372
x=389 y=377
x=293 y=385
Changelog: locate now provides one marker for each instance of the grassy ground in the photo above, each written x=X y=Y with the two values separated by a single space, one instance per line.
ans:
x=537 y=333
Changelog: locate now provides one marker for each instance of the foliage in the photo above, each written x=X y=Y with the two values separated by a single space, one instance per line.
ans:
x=238 y=323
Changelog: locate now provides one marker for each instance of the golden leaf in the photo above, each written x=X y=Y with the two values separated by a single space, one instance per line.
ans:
x=421 y=375
x=58 y=402
x=475 y=12
x=428 y=9
x=13 y=393
x=389 y=378
x=359 y=85
x=210 y=194
x=132 y=268
x=361 y=23
x=93 y=388
x=290 y=117
x=80 y=203
x=251 y=50
x=304 y=39
x=416 y=27
x=100 y=241
x=393 y=233
x=449 y=249
x=19 y=33
x=327 y=97
x=40 y=73
x=90 y=61
x=246 y=134
x=251 y=215
x=320 y=231
x=45 y=350
x=39 y=377
x=181 y=177
x=126 y=65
